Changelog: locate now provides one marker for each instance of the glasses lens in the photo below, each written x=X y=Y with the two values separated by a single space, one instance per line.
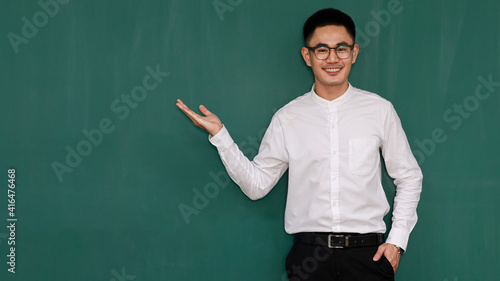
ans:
x=322 y=53
x=343 y=52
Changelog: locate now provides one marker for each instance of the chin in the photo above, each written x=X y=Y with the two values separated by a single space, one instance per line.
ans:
x=333 y=83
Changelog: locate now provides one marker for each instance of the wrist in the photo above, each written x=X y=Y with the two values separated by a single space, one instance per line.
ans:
x=216 y=130
x=399 y=249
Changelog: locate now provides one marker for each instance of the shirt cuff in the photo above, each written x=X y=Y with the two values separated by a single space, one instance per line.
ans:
x=222 y=140
x=398 y=237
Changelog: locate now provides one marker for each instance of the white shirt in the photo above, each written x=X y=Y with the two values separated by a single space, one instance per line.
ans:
x=332 y=150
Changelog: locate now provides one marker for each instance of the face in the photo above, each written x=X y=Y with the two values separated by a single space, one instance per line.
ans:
x=333 y=71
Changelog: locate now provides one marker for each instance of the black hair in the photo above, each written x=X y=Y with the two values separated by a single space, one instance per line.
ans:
x=328 y=17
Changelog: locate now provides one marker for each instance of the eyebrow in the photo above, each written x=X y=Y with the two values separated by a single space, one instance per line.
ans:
x=343 y=43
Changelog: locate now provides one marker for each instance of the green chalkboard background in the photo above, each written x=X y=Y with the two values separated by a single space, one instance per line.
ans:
x=104 y=166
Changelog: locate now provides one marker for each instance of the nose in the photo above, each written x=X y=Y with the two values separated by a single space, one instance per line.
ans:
x=333 y=56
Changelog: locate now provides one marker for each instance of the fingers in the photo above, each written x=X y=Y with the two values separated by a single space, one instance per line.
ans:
x=379 y=253
x=210 y=122
x=180 y=103
x=191 y=114
x=390 y=251
x=204 y=110
x=396 y=266
x=395 y=262
x=183 y=107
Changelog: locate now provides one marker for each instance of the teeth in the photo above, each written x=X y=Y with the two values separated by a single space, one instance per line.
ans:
x=332 y=69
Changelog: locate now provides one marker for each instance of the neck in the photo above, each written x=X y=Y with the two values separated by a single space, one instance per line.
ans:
x=330 y=92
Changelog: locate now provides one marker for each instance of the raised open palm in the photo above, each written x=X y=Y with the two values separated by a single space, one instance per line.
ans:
x=210 y=122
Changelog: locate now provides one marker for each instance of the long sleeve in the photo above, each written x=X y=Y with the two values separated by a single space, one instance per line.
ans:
x=403 y=168
x=332 y=152
x=255 y=178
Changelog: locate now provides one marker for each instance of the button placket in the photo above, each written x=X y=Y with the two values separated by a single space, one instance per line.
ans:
x=334 y=160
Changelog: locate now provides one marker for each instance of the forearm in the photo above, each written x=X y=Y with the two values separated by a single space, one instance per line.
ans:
x=255 y=178
x=404 y=215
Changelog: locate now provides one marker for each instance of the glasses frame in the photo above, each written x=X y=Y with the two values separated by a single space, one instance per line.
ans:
x=313 y=49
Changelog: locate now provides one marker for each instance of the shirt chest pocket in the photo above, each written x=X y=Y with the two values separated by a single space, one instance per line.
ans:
x=364 y=155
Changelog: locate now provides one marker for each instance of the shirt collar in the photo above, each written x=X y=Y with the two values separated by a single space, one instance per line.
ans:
x=336 y=102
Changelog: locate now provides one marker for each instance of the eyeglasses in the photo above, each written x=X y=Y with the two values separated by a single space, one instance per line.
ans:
x=323 y=52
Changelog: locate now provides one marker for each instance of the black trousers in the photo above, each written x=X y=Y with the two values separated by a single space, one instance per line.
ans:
x=320 y=263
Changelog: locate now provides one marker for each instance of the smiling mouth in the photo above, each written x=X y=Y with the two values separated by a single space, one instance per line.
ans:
x=332 y=70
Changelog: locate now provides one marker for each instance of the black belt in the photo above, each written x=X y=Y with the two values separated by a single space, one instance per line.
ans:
x=340 y=240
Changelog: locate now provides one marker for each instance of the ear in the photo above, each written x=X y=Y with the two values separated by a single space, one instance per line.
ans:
x=306 y=55
x=355 y=52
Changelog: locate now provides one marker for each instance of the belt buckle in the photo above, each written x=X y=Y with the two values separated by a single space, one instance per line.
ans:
x=346 y=241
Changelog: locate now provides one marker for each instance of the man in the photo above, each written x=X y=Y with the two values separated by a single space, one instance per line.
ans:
x=330 y=139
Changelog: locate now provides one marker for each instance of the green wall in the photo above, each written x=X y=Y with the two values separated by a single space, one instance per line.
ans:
x=105 y=161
